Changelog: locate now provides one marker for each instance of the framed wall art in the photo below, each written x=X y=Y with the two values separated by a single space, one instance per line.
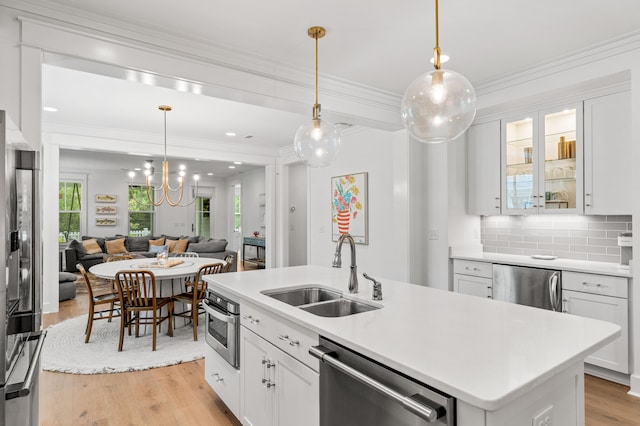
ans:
x=349 y=207
x=106 y=198
x=106 y=210
x=105 y=221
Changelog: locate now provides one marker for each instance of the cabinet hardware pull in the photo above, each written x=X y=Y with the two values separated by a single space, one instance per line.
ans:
x=294 y=342
x=588 y=205
x=270 y=364
x=283 y=337
x=251 y=319
x=593 y=284
x=270 y=384
x=468 y=268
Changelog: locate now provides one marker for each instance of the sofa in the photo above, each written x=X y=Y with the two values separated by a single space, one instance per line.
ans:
x=94 y=250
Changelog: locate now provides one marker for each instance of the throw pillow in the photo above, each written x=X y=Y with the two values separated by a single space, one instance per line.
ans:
x=157 y=249
x=78 y=247
x=158 y=242
x=208 y=247
x=137 y=244
x=177 y=246
x=116 y=246
x=91 y=246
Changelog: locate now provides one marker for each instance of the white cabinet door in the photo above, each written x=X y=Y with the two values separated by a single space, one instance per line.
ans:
x=223 y=379
x=256 y=399
x=607 y=162
x=483 y=168
x=614 y=356
x=474 y=286
x=277 y=389
x=298 y=392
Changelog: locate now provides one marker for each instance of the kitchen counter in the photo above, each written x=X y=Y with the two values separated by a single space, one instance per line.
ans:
x=604 y=268
x=484 y=352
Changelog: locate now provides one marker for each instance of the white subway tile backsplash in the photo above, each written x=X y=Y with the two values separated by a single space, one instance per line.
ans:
x=579 y=237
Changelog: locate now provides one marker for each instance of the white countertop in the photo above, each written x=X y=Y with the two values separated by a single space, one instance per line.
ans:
x=604 y=268
x=482 y=351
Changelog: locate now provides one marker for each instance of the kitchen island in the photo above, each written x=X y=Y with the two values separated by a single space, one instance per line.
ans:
x=504 y=364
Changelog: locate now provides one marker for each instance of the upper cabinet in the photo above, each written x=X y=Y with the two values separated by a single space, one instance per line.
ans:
x=483 y=166
x=608 y=160
x=542 y=161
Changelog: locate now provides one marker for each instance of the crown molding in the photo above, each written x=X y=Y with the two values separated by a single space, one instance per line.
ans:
x=204 y=52
x=599 y=52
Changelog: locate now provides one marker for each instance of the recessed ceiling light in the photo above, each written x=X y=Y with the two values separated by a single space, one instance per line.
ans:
x=232 y=167
x=137 y=169
x=50 y=109
x=237 y=162
x=443 y=58
x=209 y=174
x=230 y=134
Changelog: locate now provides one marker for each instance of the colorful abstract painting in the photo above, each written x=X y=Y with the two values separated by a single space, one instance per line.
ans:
x=349 y=207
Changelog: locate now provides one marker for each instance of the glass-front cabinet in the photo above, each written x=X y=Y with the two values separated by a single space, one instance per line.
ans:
x=542 y=161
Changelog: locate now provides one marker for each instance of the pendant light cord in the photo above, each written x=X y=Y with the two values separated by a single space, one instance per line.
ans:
x=436 y=50
x=316 y=37
x=165 y=135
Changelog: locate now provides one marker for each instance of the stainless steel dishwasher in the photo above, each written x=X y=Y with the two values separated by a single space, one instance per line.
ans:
x=357 y=391
x=540 y=288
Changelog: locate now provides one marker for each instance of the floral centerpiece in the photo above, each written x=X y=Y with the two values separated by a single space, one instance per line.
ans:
x=345 y=204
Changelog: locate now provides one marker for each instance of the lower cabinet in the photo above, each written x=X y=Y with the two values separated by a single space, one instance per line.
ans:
x=223 y=379
x=277 y=389
x=473 y=278
x=603 y=298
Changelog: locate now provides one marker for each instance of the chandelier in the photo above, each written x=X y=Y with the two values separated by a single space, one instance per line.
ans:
x=165 y=188
x=439 y=105
x=317 y=141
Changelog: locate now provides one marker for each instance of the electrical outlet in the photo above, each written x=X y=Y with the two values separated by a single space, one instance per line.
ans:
x=544 y=418
x=434 y=234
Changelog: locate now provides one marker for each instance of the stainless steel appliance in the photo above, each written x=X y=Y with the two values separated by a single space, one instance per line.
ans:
x=540 y=288
x=357 y=391
x=21 y=283
x=222 y=329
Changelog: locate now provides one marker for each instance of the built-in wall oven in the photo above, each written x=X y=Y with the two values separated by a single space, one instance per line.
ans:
x=222 y=330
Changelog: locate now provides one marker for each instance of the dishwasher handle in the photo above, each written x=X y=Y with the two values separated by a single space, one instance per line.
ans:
x=554 y=290
x=413 y=403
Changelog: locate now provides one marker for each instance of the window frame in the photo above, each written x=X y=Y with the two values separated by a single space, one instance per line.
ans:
x=152 y=210
x=82 y=180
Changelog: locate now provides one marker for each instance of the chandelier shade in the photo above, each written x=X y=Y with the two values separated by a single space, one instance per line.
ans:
x=317 y=142
x=440 y=105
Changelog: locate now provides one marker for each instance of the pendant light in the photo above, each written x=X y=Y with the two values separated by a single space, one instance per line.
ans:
x=165 y=188
x=439 y=105
x=317 y=142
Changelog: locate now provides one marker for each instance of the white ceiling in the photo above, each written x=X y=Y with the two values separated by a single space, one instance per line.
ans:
x=381 y=44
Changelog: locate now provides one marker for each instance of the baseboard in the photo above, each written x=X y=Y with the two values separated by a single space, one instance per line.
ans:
x=612 y=376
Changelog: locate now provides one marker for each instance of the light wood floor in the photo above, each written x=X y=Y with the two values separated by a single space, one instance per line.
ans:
x=179 y=395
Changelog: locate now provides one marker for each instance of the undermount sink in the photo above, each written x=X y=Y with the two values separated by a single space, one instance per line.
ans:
x=303 y=296
x=320 y=301
x=338 y=308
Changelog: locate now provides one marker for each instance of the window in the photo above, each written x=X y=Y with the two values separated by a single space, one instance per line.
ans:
x=203 y=216
x=141 y=211
x=70 y=211
x=237 y=208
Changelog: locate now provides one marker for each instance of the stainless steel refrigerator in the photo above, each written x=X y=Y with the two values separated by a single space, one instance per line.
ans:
x=540 y=288
x=21 y=337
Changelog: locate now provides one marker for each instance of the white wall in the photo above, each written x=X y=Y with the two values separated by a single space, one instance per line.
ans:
x=375 y=152
x=253 y=184
x=297 y=223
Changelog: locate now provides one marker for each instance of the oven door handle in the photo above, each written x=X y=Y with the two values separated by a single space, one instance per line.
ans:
x=231 y=319
x=23 y=389
x=414 y=403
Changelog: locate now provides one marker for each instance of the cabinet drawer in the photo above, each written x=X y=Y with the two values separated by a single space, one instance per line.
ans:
x=470 y=267
x=595 y=284
x=223 y=379
x=289 y=337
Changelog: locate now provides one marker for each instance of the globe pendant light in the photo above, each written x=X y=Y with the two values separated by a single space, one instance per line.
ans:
x=439 y=105
x=317 y=142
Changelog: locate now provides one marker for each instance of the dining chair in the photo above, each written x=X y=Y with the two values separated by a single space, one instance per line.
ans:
x=110 y=298
x=189 y=254
x=229 y=259
x=137 y=292
x=195 y=293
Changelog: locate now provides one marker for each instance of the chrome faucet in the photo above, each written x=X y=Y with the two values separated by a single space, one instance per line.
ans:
x=377 y=287
x=337 y=261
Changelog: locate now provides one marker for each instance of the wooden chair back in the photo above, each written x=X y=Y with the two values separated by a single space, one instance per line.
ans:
x=229 y=259
x=200 y=285
x=188 y=254
x=137 y=288
x=87 y=280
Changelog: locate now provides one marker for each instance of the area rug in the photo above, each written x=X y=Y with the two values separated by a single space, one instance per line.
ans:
x=65 y=351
